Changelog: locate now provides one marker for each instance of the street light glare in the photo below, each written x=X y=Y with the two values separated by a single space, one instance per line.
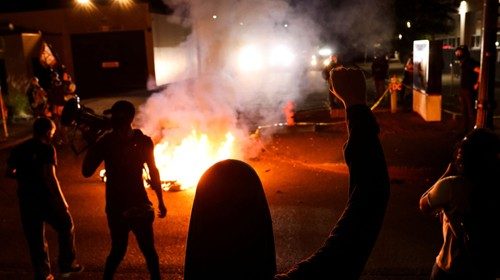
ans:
x=83 y=2
x=462 y=10
x=124 y=3
x=325 y=52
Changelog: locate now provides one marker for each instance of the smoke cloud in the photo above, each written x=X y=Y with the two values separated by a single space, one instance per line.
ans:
x=216 y=92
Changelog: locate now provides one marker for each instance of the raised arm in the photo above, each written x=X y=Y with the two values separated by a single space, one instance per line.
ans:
x=346 y=251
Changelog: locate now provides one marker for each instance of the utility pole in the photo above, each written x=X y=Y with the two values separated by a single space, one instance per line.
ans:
x=486 y=98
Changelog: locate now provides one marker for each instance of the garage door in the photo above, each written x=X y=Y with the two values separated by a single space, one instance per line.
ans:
x=109 y=63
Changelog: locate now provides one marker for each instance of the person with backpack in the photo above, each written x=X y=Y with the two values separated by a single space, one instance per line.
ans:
x=466 y=199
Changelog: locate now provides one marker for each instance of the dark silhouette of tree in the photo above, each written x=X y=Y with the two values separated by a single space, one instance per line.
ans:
x=427 y=18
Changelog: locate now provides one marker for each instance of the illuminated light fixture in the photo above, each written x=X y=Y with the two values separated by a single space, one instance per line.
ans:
x=463 y=8
x=408 y=24
x=85 y=5
x=497 y=44
x=281 y=56
x=400 y=36
x=124 y=3
x=325 y=52
x=285 y=25
x=83 y=2
x=250 y=59
x=214 y=17
x=314 y=61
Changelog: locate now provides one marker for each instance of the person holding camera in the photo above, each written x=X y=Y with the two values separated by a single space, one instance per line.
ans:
x=346 y=251
x=41 y=201
x=124 y=152
x=466 y=199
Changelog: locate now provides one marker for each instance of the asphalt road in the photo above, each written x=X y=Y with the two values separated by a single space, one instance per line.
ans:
x=305 y=181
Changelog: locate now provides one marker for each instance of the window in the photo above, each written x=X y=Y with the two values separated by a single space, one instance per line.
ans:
x=476 y=42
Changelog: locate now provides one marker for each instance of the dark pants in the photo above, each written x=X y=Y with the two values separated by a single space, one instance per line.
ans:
x=406 y=96
x=143 y=230
x=467 y=98
x=379 y=88
x=33 y=220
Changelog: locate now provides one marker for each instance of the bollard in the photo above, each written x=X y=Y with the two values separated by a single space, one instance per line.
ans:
x=394 y=87
x=394 y=101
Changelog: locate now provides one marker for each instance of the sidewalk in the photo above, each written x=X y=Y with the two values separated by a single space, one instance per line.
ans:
x=18 y=131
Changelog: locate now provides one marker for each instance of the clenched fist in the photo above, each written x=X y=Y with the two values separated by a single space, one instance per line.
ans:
x=348 y=85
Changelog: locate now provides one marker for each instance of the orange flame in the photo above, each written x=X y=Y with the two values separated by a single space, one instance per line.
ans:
x=185 y=163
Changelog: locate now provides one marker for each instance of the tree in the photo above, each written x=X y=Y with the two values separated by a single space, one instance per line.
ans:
x=427 y=18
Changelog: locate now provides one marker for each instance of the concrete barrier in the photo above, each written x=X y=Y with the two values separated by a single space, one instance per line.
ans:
x=427 y=105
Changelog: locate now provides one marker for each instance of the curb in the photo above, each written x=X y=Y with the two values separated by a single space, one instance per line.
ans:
x=7 y=144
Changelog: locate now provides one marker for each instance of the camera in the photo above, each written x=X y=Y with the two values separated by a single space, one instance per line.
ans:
x=85 y=126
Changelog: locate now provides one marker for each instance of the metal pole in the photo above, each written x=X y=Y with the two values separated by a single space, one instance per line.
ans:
x=4 y=117
x=486 y=96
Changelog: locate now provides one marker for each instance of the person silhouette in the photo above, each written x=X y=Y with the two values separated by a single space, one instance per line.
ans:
x=230 y=231
x=41 y=201
x=346 y=251
x=466 y=199
x=124 y=152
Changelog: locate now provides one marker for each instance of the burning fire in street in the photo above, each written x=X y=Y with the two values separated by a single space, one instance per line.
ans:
x=234 y=71
x=183 y=165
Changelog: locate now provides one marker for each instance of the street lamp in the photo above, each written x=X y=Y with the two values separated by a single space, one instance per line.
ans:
x=124 y=3
x=84 y=5
x=83 y=2
x=462 y=10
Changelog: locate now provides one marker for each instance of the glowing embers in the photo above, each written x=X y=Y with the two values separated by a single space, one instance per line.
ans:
x=182 y=165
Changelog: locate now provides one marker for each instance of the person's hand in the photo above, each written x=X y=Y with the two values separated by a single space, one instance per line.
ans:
x=348 y=85
x=162 y=210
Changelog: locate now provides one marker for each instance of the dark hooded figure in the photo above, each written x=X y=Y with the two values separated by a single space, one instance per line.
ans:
x=230 y=232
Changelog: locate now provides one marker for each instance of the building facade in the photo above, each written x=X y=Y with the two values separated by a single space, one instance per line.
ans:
x=108 y=47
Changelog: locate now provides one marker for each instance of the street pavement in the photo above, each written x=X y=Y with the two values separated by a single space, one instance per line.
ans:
x=305 y=179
